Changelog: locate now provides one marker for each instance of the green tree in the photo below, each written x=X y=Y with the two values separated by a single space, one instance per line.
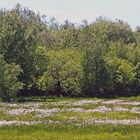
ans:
x=64 y=73
x=95 y=72
x=19 y=29
x=9 y=84
x=122 y=73
x=134 y=58
x=104 y=31
x=40 y=62
x=67 y=37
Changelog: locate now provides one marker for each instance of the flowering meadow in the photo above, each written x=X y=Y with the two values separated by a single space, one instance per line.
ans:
x=71 y=118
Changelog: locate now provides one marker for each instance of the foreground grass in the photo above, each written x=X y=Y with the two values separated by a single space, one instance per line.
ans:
x=70 y=119
x=96 y=132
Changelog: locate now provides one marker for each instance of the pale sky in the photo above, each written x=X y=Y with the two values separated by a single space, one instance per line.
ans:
x=77 y=10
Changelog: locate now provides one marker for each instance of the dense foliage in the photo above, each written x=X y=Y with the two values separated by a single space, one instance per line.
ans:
x=42 y=57
x=9 y=84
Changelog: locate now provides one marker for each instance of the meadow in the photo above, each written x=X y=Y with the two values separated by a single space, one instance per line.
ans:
x=71 y=119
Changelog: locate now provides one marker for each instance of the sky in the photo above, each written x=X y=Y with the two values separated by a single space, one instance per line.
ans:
x=78 y=10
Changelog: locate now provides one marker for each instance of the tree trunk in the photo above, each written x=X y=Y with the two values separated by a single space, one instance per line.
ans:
x=58 y=90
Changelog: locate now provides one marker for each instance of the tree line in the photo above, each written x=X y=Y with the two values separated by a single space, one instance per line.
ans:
x=39 y=57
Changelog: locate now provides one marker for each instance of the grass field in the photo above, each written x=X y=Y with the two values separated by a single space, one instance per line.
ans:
x=71 y=119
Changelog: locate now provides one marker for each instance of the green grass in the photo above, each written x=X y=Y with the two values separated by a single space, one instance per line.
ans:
x=95 y=115
x=132 y=98
x=65 y=130
x=96 y=132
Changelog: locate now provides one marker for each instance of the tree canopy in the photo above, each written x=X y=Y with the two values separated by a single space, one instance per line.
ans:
x=101 y=58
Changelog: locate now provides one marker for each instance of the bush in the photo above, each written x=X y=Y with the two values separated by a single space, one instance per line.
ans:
x=9 y=84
